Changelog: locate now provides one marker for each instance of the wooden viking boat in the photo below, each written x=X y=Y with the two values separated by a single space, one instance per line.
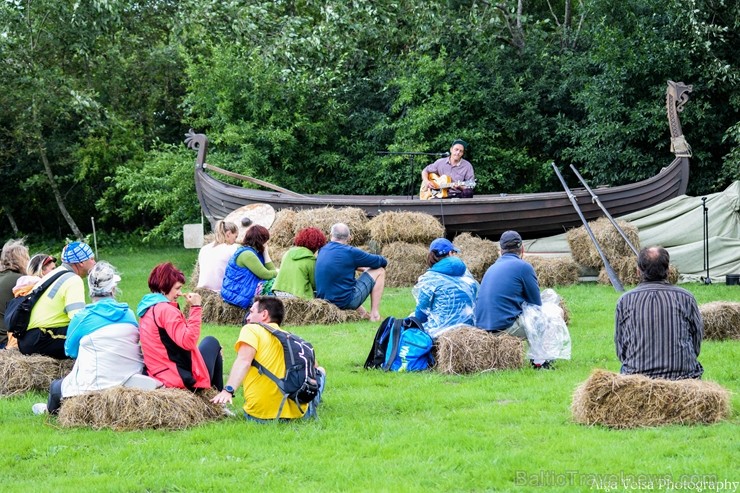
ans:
x=533 y=215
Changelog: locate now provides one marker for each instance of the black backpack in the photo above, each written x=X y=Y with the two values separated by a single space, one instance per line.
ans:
x=18 y=310
x=376 y=358
x=300 y=384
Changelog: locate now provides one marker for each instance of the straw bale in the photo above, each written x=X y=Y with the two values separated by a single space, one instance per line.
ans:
x=470 y=350
x=721 y=320
x=193 y=282
x=632 y=401
x=277 y=253
x=128 y=409
x=299 y=311
x=283 y=229
x=554 y=271
x=324 y=218
x=409 y=227
x=20 y=373
x=477 y=253
x=406 y=262
x=626 y=270
x=611 y=242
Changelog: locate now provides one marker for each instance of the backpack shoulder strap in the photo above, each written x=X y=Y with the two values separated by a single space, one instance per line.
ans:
x=39 y=290
x=394 y=340
x=262 y=369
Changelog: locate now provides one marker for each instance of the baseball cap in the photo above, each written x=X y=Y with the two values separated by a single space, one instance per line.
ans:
x=77 y=252
x=510 y=239
x=442 y=246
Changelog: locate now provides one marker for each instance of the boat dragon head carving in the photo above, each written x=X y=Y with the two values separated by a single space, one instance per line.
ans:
x=198 y=142
x=677 y=94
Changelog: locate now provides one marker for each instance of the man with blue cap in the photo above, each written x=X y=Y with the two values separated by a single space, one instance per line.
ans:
x=50 y=316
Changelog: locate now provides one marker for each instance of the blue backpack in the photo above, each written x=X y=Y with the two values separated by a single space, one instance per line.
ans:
x=401 y=345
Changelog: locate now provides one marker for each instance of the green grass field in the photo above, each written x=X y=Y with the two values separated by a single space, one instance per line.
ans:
x=505 y=431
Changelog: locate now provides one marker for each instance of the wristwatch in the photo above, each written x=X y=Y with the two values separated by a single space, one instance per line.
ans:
x=230 y=390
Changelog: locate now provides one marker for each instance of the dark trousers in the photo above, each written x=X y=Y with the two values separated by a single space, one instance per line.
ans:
x=210 y=349
x=55 y=396
x=37 y=341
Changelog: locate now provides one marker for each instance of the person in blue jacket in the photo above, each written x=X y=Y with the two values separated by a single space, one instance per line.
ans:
x=445 y=294
x=335 y=274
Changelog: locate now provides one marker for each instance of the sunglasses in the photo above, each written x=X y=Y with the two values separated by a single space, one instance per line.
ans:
x=48 y=260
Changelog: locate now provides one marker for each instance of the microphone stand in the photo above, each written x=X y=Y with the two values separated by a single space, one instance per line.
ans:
x=412 y=163
x=707 y=279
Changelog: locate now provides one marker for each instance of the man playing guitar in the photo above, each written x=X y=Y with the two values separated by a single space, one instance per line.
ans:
x=455 y=167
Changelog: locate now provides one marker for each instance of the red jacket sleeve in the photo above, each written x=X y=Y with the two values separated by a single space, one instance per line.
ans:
x=184 y=332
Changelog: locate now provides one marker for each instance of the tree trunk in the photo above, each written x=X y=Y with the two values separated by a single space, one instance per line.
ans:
x=11 y=219
x=57 y=194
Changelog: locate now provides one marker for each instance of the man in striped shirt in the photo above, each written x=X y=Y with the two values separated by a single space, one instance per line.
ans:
x=658 y=326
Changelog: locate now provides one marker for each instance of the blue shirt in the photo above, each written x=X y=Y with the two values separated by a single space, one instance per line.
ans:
x=335 y=271
x=508 y=283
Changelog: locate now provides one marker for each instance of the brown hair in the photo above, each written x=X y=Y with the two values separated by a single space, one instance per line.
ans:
x=14 y=256
x=256 y=237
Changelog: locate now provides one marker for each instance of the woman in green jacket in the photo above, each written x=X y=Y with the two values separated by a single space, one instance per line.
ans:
x=296 y=275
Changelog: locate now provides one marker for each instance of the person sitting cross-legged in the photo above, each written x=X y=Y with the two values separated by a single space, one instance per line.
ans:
x=262 y=397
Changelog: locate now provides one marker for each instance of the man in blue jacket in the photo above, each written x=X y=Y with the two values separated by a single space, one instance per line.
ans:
x=336 y=264
x=507 y=284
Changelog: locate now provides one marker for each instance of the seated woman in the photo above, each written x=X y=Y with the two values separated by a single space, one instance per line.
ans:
x=13 y=262
x=39 y=265
x=104 y=337
x=169 y=341
x=296 y=277
x=249 y=269
x=213 y=257
x=445 y=294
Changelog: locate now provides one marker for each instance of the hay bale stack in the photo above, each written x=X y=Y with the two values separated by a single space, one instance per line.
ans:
x=633 y=401
x=210 y=305
x=554 y=271
x=128 y=409
x=276 y=254
x=626 y=270
x=316 y=311
x=324 y=218
x=283 y=229
x=193 y=280
x=470 y=350
x=721 y=320
x=408 y=227
x=20 y=373
x=406 y=262
x=477 y=253
x=611 y=242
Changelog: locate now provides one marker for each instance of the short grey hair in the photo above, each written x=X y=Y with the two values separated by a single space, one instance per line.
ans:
x=102 y=280
x=339 y=231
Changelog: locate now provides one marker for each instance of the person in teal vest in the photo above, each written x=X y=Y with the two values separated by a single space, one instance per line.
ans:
x=297 y=270
x=249 y=268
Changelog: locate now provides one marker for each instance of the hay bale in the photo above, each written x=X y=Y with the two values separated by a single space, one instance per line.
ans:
x=277 y=253
x=632 y=401
x=316 y=311
x=611 y=242
x=477 y=253
x=721 y=320
x=20 y=373
x=409 y=227
x=324 y=218
x=406 y=262
x=191 y=286
x=626 y=270
x=128 y=409
x=470 y=350
x=554 y=271
x=283 y=229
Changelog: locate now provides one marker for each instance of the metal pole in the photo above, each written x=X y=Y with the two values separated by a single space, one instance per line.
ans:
x=706 y=279
x=95 y=236
x=613 y=277
x=595 y=199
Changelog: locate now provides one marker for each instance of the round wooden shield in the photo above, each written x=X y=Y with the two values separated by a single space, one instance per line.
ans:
x=262 y=214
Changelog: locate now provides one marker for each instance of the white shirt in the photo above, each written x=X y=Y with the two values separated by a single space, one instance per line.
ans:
x=212 y=261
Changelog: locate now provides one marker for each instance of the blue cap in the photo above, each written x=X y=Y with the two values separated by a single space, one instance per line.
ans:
x=442 y=246
x=76 y=253
x=510 y=240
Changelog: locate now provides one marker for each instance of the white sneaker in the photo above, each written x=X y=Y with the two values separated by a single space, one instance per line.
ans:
x=39 y=408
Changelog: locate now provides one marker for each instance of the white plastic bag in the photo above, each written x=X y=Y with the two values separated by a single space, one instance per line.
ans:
x=545 y=327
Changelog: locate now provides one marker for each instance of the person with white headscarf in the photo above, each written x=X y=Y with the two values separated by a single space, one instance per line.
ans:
x=104 y=338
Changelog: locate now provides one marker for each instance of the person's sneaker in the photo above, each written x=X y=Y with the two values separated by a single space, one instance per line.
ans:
x=39 y=408
x=545 y=365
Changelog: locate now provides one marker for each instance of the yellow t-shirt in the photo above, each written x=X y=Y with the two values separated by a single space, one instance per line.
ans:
x=262 y=396
x=59 y=302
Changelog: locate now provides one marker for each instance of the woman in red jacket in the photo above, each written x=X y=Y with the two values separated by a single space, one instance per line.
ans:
x=169 y=341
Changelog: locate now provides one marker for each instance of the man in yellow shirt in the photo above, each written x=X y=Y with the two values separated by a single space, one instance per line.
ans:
x=262 y=397
x=50 y=316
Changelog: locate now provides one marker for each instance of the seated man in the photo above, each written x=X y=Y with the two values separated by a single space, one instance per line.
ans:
x=455 y=167
x=335 y=274
x=658 y=326
x=506 y=285
x=262 y=397
x=50 y=316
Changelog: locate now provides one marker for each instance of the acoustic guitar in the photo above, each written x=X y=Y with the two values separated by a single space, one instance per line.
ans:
x=440 y=187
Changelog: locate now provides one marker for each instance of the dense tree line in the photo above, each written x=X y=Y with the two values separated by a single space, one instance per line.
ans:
x=96 y=97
